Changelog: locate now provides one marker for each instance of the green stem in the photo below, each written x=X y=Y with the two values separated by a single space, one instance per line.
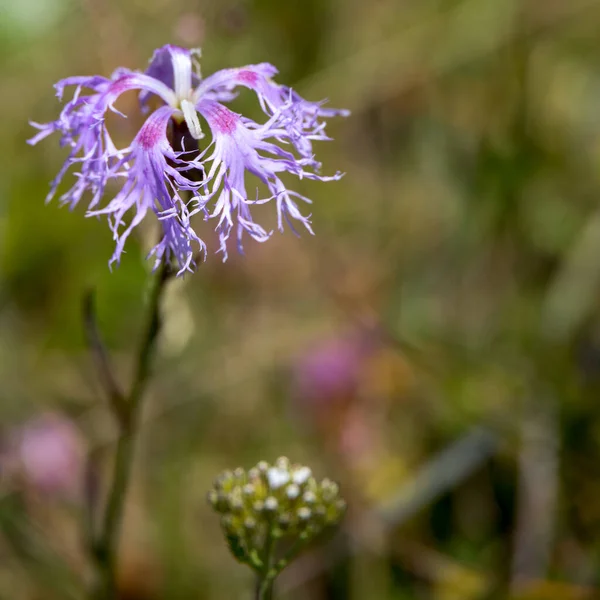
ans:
x=265 y=590
x=105 y=547
x=272 y=571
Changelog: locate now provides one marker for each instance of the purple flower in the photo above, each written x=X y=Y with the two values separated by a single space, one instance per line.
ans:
x=158 y=173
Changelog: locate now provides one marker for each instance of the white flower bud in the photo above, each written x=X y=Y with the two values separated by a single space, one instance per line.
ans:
x=283 y=463
x=304 y=513
x=301 y=475
x=271 y=504
x=292 y=491
x=277 y=477
x=309 y=497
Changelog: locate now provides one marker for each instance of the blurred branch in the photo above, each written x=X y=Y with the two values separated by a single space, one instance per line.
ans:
x=537 y=493
x=537 y=489
x=100 y=355
x=450 y=467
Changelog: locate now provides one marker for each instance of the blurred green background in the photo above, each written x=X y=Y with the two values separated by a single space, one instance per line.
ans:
x=435 y=347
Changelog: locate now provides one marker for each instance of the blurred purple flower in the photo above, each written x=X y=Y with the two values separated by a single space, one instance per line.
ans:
x=331 y=370
x=155 y=176
x=48 y=451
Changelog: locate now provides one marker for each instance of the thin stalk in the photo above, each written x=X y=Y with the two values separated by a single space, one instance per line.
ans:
x=273 y=569
x=100 y=355
x=105 y=547
x=265 y=589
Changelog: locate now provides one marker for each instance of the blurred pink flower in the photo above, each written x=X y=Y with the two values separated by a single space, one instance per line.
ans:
x=49 y=451
x=343 y=387
x=190 y=28
x=330 y=371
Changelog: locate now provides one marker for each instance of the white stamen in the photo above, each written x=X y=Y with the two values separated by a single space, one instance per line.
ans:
x=191 y=119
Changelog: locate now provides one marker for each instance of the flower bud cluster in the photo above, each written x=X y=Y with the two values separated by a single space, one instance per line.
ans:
x=270 y=502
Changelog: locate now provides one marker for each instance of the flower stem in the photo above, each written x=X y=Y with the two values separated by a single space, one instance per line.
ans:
x=265 y=591
x=106 y=545
x=272 y=571
x=265 y=588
